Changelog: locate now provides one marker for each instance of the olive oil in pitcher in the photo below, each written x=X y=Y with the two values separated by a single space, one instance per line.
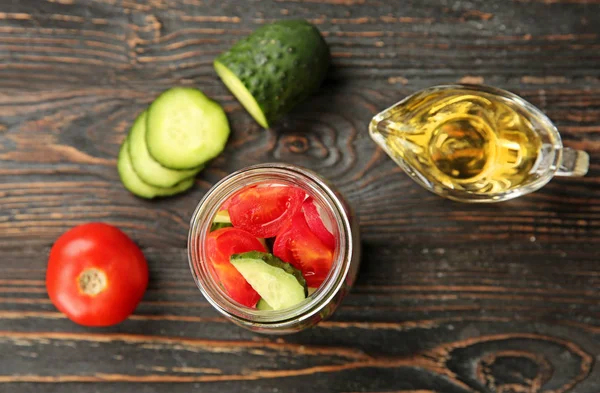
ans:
x=473 y=143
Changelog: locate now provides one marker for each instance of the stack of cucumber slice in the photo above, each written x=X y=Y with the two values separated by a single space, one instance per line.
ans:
x=170 y=142
x=269 y=72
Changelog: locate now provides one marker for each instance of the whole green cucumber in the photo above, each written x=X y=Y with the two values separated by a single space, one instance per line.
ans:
x=275 y=68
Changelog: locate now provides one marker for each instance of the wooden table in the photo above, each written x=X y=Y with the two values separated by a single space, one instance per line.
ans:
x=450 y=298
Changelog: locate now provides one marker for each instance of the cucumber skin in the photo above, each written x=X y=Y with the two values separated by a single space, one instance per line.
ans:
x=280 y=64
x=219 y=225
x=276 y=262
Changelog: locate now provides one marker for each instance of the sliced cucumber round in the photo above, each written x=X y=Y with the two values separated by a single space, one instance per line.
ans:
x=133 y=183
x=278 y=283
x=147 y=168
x=185 y=128
x=275 y=68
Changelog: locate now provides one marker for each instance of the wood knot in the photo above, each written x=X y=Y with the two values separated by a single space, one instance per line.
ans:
x=517 y=363
x=296 y=144
x=513 y=371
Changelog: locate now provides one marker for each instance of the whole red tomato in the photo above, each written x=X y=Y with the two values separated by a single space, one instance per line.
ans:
x=96 y=275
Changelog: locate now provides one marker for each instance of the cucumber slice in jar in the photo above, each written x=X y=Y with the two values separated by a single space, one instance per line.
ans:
x=222 y=216
x=278 y=283
x=221 y=220
x=218 y=225
x=135 y=185
x=185 y=128
x=147 y=168
x=263 y=305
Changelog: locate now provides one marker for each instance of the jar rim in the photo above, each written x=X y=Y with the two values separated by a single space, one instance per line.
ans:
x=200 y=225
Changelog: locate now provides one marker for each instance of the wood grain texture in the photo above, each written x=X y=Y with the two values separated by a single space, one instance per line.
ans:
x=451 y=298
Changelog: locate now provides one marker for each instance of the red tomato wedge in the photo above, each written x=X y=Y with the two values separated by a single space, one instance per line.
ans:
x=265 y=211
x=224 y=242
x=281 y=248
x=220 y=245
x=236 y=285
x=300 y=247
x=225 y=205
x=315 y=223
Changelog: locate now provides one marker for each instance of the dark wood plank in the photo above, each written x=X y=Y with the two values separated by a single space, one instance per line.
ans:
x=450 y=297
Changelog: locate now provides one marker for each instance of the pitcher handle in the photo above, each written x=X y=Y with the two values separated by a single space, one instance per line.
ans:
x=574 y=163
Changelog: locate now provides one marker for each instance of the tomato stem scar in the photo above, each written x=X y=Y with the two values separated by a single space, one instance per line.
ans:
x=91 y=281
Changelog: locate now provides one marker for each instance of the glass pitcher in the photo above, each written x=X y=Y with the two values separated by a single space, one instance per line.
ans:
x=474 y=143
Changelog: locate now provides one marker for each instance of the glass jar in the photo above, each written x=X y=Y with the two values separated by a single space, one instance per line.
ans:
x=317 y=306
